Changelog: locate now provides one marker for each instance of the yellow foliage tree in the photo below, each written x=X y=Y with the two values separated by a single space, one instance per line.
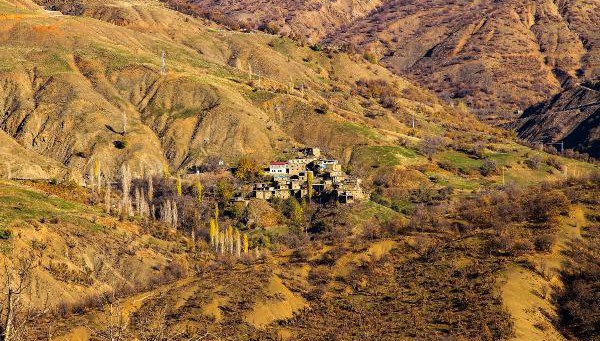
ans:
x=310 y=179
x=213 y=232
x=199 y=190
x=178 y=186
x=245 y=243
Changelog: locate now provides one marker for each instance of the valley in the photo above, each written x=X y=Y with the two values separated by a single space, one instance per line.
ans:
x=201 y=170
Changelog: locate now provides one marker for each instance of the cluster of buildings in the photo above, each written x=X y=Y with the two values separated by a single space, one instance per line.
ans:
x=292 y=179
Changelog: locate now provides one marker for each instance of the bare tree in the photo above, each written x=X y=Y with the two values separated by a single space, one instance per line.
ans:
x=116 y=324
x=15 y=312
x=125 y=188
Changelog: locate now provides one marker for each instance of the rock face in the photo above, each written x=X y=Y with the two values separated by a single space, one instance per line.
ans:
x=571 y=117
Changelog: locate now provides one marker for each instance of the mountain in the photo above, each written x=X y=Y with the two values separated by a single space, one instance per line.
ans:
x=571 y=117
x=89 y=88
x=498 y=56
x=463 y=232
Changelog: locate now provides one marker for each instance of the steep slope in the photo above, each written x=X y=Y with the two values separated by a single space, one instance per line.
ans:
x=304 y=20
x=571 y=117
x=497 y=56
x=78 y=253
x=18 y=162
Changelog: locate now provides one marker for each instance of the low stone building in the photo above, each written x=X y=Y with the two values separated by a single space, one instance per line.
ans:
x=290 y=179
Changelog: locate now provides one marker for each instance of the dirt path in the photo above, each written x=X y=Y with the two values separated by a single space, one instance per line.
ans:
x=526 y=293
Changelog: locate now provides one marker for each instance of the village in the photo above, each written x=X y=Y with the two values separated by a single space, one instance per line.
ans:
x=310 y=175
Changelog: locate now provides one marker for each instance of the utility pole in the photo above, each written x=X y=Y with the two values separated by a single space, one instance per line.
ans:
x=503 y=179
x=413 y=120
x=163 y=65
x=249 y=71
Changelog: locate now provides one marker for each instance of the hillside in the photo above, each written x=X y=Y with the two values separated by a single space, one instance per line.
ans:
x=499 y=57
x=135 y=135
x=571 y=117
x=79 y=90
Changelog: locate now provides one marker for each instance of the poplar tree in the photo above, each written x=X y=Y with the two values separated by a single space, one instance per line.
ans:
x=212 y=232
x=230 y=239
x=175 y=215
x=178 y=186
x=138 y=200
x=238 y=243
x=107 y=200
x=199 y=190
x=150 y=189
x=125 y=188
x=245 y=243
x=193 y=236
x=222 y=241
x=310 y=180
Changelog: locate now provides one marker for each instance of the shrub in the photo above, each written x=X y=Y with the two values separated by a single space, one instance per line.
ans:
x=544 y=242
x=5 y=234
x=533 y=162
x=489 y=167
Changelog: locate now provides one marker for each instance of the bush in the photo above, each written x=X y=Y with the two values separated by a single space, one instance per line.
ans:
x=489 y=167
x=5 y=234
x=544 y=242
x=533 y=162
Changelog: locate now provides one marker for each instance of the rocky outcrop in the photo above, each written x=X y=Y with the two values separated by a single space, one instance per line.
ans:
x=571 y=117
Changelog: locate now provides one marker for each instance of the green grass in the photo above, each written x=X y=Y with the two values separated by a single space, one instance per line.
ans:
x=459 y=160
x=384 y=155
x=364 y=211
x=22 y=204
x=359 y=129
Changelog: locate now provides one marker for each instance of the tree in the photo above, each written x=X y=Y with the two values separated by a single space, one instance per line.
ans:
x=213 y=232
x=310 y=179
x=296 y=212
x=178 y=186
x=97 y=174
x=246 y=168
x=222 y=241
x=431 y=145
x=125 y=189
x=13 y=313
x=107 y=203
x=150 y=189
x=238 y=243
x=199 y=190
x=245 y=243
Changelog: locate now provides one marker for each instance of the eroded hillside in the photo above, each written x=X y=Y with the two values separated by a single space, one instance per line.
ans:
x=571 y=117
x=79 y=89
x=497 y=56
